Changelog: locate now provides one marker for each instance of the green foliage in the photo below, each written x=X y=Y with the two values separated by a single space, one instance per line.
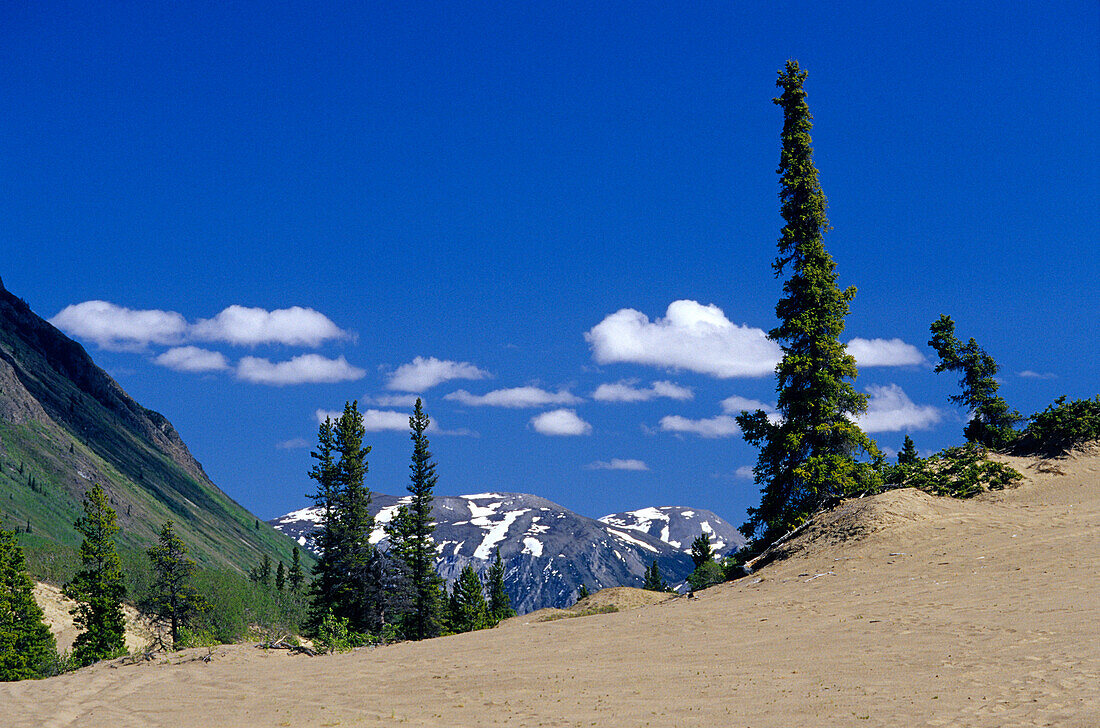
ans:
x=701 y=550
x=174 y=601
x=706 y=574
x=295 y=576
x=908 y=454
x=960 y=472
x=1061 y=427
x=99 y=587
x=807 y=458
x=240 y=609
x=469 y=610
x=654 y=581
x=261 y=573
x=410 y=535
x=333 y=634
x=582 y=593
x=500 y=605
x=352 y=580
x=27 y=648
x=993 y=423
x=280 y=577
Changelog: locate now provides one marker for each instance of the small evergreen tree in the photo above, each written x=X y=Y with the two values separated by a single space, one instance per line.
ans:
x=993 y=423
x=500 y=605
x=908 y=454
x=280 y=577
x=174 y=600
x=469 y=609
x=701 y=550
x=808 y=457
x=583 y=593
x=410 y=535
x=294 y=576
x=654 y=581
x=26 y=645
x=98 y=587
x=261 y=574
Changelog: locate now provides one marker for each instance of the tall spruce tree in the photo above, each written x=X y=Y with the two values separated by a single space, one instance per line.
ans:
x=174 y=600
x=500 y=604
x=469 y=610
x=327 y=535
x=993 y=423
x=98 y=587
x=908 y=454
x=654 y=581
x=808 y=457
x=280 y=577
x=294 y=575
x=26 y=645
x=410 y=535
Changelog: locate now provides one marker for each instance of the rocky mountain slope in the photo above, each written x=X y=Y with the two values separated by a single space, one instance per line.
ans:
x=679 y=526
x=65 y=424
x=548 y=551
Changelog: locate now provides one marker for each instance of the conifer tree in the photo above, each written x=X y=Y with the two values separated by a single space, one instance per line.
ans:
x=327 y=536
x=98 y=587
x=263 y=573
x=500 y=605
x=993 y=422
x=469 y=609
x=410 y=535
x=908 y=454
x=807 y=457
x=701 y=550
x=294 y=575
x=26 y=644
x=174 y=599
x=280 y=577
x=653 y=579
x=582 y=592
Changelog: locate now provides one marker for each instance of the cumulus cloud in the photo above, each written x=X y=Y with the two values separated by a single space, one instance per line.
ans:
x=421 y=374
x=394 y=400
x=617 y=464
x=119 y=328
x=116 y=327
x=735 y=404
x=719 y=426
x=243 y=326
x=891 y=410
x=192 y=359
x=884 y=353
x=560 y=422
x=691 y=336
x=373 y=420
x=304 y=369
x=744 y=472
x=514 y=397
x=626 y=390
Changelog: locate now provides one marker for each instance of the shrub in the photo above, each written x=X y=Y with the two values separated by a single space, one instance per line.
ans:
x=1061 y=427
x=333 y=634
x=959 y=472
x=706 y=574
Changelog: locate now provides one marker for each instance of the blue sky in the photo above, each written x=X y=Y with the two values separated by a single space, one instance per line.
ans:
x=531 y=214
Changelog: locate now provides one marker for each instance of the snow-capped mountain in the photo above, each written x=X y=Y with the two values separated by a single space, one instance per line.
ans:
x=548 y=551
x=678 y=527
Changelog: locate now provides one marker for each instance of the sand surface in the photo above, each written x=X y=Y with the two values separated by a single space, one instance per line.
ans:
x=898 y=610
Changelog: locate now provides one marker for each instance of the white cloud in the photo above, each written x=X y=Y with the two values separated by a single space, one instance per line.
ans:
x=514 y=397
x=243 y=326
x=192 y=359
x=617 y=464
x=297 y=443
x=891 y=410
x=733 y=405
x=626 y=391
x=719 y=426
x=884 y=353
x=1028 y=374
x=560 y=422
x=744 y=472
x=304 y=369
x=690 y=336
x=394 y=400
x=118 y=328
x=388 y=420
x=421 y=374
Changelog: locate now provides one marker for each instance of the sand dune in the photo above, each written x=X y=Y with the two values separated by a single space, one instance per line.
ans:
x=898 y=610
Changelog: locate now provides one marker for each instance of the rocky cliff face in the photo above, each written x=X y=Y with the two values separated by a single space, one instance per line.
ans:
x=548 y=551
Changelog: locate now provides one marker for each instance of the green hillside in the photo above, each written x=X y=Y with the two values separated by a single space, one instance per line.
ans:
x=65 y=423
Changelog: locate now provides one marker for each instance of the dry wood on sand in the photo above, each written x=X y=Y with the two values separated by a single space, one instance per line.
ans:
x=898 y=610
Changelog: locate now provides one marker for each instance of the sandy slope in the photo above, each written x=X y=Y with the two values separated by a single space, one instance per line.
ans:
x=906 y=611
x=58 y=608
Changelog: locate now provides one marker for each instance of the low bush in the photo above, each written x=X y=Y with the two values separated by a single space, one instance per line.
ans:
x=1061 y=427
x=959 y=472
